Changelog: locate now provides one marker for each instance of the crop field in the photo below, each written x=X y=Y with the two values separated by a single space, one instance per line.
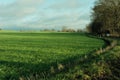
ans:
x=104 y=66
x=24 y=54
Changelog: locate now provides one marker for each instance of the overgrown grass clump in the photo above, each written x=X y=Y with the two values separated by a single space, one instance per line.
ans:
x=42 y=54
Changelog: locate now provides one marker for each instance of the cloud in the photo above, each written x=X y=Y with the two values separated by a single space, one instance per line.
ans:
x=38 y=14
x=13 y=13
x=19 y=8
x=66 y=4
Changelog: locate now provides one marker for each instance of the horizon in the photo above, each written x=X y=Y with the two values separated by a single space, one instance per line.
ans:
x=44 y=14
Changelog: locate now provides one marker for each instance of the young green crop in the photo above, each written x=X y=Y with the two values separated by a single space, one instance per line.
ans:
x=22 y=54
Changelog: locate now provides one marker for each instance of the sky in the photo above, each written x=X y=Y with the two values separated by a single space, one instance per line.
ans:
x=44 y=14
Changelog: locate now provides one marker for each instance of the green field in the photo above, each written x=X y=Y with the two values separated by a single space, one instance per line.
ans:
x=25 y=54
x=104 y=66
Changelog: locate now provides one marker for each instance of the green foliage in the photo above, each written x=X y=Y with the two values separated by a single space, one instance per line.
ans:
x=27 y=55
x=106 y=19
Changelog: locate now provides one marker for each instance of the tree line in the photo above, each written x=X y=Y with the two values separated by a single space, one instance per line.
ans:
x=63 y=29
x=105 y=18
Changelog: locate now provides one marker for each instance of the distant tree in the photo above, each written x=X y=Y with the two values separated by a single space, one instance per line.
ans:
x=79 y=30
x=64 y=29
x=70 y=30
x=88 y=28
x=58 y=30
x=46 y=30
x=53 y=30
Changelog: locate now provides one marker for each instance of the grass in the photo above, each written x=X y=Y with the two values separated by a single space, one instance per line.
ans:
x=26 y=54
x=104 y=66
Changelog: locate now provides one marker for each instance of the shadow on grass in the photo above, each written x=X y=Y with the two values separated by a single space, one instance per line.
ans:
x=15 y=70
x=42 y=71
